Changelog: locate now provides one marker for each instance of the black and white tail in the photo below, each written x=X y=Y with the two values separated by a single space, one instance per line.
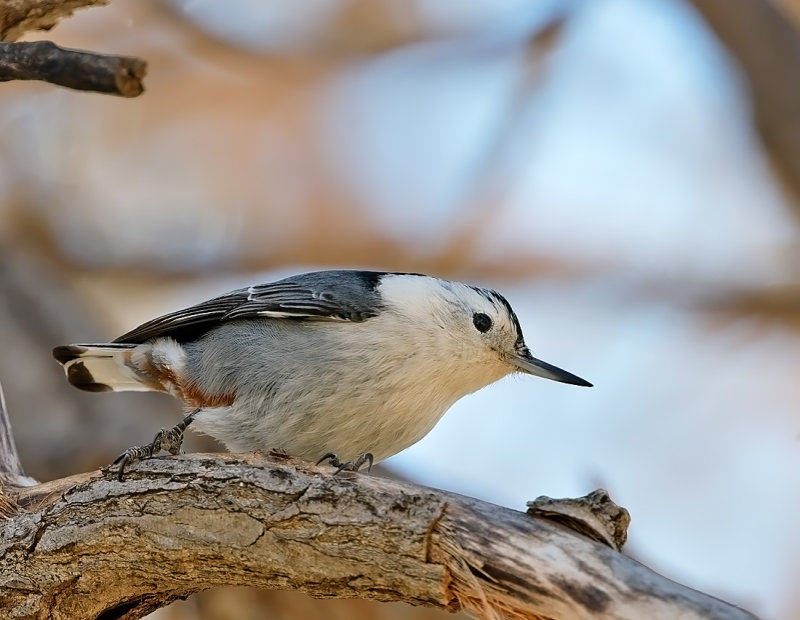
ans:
x=100 y=367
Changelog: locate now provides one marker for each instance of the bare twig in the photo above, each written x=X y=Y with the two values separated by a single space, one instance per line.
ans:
x=10 y=466
x=11 y=473
x=179 y=525
x=46 y=61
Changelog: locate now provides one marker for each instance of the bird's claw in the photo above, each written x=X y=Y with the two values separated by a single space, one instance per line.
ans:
x=330 y=456
x=166 y=439
x=169 y=440
x=349 y=465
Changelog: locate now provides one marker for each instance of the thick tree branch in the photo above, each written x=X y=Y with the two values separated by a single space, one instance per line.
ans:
x=183 y=524
x=46 y=61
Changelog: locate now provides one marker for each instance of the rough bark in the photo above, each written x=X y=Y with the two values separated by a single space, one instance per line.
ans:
x=90 y=546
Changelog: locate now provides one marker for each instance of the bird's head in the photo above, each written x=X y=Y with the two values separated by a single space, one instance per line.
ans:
x=472 y=324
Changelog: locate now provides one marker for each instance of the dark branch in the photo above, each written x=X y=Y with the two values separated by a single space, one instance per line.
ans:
x=46 y=61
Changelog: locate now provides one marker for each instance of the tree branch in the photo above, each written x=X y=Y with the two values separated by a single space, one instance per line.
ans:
x=183 y=524
x=767 y=47
x=11 y=473
x=46 y=61
x=20 y=16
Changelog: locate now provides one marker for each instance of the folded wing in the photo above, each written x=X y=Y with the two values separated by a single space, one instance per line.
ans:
x=340 y=295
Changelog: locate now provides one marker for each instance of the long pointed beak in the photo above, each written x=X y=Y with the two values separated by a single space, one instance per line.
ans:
x=525 y=362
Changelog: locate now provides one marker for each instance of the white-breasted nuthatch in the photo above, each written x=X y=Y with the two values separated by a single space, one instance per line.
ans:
x=350 y=366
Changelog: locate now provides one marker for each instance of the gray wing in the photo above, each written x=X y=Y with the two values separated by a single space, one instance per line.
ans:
x=321 y=295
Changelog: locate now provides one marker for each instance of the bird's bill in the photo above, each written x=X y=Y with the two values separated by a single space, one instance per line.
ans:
x=525 y=362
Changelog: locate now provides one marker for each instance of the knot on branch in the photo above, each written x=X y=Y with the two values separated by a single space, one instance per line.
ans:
x=594 y=516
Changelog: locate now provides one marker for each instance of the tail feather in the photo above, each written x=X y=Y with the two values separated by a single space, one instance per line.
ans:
x=100 y=367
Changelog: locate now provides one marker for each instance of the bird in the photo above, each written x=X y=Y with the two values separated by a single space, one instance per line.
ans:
x=344 y=366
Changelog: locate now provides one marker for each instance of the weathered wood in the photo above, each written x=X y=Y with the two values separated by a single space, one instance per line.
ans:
x=90 y=545
x=20 y=16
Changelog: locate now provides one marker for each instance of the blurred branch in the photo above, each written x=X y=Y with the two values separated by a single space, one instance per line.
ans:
x=183 y=524
x=44 y=60
x=767 y=47
x=11 y=473
x=40 y=307
x=10 y=466
x=778 y=304
x=20 y=16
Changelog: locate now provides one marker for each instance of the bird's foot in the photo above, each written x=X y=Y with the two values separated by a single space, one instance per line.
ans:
x=167 y=439
x=330 y=456
x=349 y=465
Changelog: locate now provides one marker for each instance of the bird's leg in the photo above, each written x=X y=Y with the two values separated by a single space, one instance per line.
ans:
x=349 y=465
x=169 y=440
x=365 y=458
x=357 y=464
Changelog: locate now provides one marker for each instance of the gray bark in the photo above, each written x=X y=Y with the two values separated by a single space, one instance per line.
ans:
x=89 y=545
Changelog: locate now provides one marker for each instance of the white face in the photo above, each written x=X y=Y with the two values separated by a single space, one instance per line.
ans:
x=471 y=325
x=485 y=319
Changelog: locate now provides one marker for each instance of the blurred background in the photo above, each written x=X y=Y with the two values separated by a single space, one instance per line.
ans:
x=626 y=172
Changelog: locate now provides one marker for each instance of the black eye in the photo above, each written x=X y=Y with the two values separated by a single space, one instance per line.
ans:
x=481 y=322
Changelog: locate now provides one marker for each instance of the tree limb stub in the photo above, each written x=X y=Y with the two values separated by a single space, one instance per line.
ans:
x=90 y=546
x=46 y=61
